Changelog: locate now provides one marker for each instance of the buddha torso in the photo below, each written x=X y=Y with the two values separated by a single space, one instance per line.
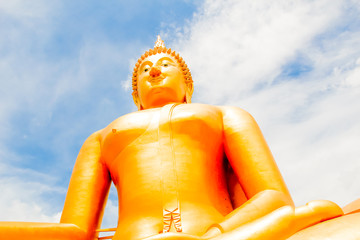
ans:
x=167 y=158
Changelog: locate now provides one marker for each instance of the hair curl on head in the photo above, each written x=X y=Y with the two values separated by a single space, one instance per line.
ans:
x=160 y=48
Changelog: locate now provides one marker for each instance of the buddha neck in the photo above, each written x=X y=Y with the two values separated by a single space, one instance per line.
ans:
x=160 y=104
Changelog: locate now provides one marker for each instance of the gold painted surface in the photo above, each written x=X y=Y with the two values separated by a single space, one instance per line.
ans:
x=182 y=171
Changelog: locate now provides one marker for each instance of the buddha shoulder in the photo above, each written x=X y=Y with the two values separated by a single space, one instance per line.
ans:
x=197 y=113
x=135 y=121
x=224 y=112
x=236 y=117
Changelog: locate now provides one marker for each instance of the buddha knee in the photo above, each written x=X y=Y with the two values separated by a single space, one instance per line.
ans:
x=325 y=209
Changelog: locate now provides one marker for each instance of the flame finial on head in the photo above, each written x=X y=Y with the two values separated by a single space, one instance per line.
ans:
x=159 y=42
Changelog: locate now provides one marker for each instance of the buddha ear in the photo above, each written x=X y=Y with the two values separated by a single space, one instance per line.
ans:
x=189 y=91
x=137 y=100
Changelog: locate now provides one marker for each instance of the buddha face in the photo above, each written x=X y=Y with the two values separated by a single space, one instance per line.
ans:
x=160 y=81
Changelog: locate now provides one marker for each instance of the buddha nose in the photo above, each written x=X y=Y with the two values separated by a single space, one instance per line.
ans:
x=155 y=72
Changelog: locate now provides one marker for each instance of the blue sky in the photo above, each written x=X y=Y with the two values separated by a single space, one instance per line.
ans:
x=65 y=68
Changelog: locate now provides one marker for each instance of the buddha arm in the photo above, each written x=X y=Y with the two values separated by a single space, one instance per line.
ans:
x=40 y=231
x=84 y=202
x=88 y=189
x=255 y=168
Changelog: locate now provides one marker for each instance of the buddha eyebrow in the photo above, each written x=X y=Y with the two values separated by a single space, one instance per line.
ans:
x=145 y=63
x=165 y=58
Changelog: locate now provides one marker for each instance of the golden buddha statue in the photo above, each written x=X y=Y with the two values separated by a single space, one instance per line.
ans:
x=182 y=171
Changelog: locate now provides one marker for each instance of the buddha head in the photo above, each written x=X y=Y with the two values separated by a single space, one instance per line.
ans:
x=160 y=77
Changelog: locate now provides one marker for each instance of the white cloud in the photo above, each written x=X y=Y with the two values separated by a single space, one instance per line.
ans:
x=37 y=88
x=126 y=85
x=25 y=9
x=35 y=83
x=353 y=78
x=256 y=38
x=239 y=53
x=21 y=200
x=111 y=210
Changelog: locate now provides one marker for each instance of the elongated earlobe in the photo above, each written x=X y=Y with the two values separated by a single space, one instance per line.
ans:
x=137 y=101
x=189 y=92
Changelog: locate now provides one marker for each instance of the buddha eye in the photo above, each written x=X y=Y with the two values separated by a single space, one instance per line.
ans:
x=146 y=69
x=165 y=64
